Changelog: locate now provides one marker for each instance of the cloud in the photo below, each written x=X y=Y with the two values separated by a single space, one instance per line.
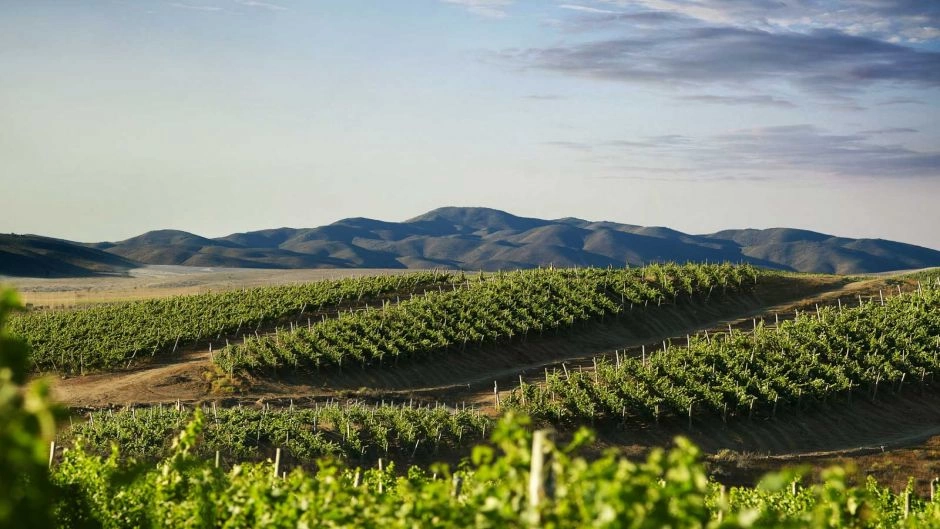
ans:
x=544 y=97
x=901 y=20
x=823 y=61
x=195 y=7
x=572 y=145
x=762 y=152
x=902 y=101
x=586 y=9
x=261 y=5
x=758 y=100
x=813 y=150
x=486 y=8
x=890 y=130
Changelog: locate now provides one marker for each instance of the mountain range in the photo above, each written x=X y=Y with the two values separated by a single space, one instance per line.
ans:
x=462 y=238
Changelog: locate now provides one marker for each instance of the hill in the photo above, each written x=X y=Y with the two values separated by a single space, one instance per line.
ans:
x=489 y=239
x=35 y=256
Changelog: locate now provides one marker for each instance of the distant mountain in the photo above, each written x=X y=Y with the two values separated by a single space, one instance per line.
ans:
x=35 y=256
x=488 y=239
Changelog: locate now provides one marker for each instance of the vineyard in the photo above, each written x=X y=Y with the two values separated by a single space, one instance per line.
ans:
x=525 y=482
x=880 y=347
x=830 y=356
x=352 y=430
x=338 y=462
x=111 y=336
x=504 y=306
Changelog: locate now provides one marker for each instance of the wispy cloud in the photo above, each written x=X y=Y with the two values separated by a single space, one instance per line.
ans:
x=758 y=100
x=195 y=7
x=486 y=8
x=902 y=101
x=899 y=20
x=572 y=145
x=779 y=150
x=586 y=9
x=823 y=61
x=890 y=130
x=261 y=5
x=544 y=97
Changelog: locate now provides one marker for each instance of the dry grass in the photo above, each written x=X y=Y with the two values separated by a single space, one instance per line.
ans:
x=164 y=281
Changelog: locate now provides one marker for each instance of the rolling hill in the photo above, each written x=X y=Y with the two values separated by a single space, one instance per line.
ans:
x=35 y=256
x=481 y=239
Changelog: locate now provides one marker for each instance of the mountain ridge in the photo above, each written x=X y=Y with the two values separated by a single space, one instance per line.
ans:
x=481 y=239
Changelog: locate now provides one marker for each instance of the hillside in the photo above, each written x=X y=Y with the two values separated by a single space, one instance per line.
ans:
x=488 y=239
x=35 y=256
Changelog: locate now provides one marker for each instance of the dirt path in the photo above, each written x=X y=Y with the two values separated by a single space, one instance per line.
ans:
x=180 y=378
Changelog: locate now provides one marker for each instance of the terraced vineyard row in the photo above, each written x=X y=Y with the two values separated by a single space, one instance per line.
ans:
x=488 y=309
x=110 y=336
x=351 y=430
x=880 y=347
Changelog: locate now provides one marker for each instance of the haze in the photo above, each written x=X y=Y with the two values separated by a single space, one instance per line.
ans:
x=219 y=116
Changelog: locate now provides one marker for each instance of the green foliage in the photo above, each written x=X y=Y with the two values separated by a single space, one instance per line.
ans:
x=111 y=336
x=498 y=489
x=27 y=425
x=867 y=351
x=352 y=430
x=489 y=309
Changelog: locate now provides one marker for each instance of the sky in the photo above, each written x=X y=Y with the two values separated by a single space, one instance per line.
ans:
x=221 y=116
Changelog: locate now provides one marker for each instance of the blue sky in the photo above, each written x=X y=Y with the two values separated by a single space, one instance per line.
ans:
x=217 y=116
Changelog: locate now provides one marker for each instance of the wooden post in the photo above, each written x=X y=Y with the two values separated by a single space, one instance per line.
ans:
x=51 y=452
x=536 y=469
x=381 y=483
x=458 y=484
x=216 y=459
x=277 y=463
x=907 y=496
x=496 y=393
x=722 y=499
x=522 y=390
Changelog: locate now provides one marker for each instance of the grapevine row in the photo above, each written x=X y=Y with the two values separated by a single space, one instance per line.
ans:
x=866 y=351
x=110 y=336
x=350 y=430
x=487 y=309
